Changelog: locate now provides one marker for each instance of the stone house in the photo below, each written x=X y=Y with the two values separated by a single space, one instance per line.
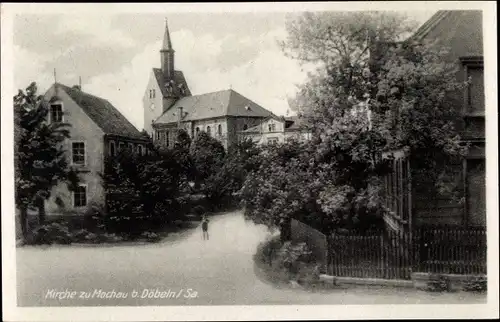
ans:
x=98 y=130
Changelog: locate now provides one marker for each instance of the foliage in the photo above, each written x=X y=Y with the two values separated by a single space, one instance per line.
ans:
x=40 y=160
x=370 y=93
x=284 y=262
x=207 y=155
x=53 y=233
x=141 y=189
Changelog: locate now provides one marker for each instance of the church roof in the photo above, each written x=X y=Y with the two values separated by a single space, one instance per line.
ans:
x=102 y=112
x=178 y=79
x=216 y=104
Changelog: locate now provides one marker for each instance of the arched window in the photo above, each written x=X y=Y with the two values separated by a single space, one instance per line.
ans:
x=245 y=127
x=112 y=148
x=208 y=130
x=219 y=130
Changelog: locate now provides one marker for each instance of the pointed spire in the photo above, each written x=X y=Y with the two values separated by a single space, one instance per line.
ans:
x=167 y=43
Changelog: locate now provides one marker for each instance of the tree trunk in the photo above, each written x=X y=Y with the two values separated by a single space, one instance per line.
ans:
x=286 y=231
x=24 y=222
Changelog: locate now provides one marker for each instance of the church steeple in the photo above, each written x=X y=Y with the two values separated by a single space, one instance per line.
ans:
x=167 y=55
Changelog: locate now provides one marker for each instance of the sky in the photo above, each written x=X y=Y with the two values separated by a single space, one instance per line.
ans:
x=114 y=54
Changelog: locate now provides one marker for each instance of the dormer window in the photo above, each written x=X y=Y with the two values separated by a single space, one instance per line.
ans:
x=56 y=112
x=272 y=127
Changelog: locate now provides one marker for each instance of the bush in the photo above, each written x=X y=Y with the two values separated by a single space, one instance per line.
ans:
x=94 y=217
x=53 y=233
x=290 y=255
x=150 y=236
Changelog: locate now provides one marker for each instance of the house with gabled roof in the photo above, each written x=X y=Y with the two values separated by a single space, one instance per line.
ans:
x=98 y=130
x=169 y=105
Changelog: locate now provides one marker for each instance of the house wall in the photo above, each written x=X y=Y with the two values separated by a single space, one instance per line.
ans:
x=461 y=33
x=82 y=129
x=236 y=124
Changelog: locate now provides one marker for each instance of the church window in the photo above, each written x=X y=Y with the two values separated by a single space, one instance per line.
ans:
x=219 y=130
x=208 y=130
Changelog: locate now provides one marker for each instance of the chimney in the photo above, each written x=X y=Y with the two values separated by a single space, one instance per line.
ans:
x=179 y=118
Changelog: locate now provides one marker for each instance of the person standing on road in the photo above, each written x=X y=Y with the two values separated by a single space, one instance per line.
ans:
x=204 y=227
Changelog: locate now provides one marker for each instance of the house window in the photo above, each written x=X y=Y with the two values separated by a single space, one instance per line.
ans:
x=197 y=130
x=121 y=145
x=208 y=130
x=272 y=141
x=157 y=135
x=272 y=127
x=245 y=127
x=80 y=196
x=131 y=146
x=166 y=138
x=154 y=93
x=140 y=150
x=56 y=113
x=219 y=130
x=78 y=153
x=112 y=148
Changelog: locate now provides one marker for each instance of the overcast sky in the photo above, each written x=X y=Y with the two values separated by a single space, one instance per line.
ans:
x=114 y=54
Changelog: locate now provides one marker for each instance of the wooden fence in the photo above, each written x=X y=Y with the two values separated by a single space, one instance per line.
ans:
x=394 y=255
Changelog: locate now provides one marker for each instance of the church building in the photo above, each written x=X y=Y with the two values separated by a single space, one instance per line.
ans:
x=169 y=105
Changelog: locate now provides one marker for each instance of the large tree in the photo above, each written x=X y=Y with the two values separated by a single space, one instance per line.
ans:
x=40 y=160
x=371 y=92
x=207 y=154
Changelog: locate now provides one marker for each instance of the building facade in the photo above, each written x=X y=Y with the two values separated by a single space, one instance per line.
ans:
x=168 y=105
x=98 y=130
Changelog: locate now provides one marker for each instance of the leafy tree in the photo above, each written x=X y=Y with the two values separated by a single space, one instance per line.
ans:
x=40 y=160
x=145 y=185
x=207 y=155
x=370 y=93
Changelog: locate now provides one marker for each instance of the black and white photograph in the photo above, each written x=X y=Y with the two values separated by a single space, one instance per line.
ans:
x=220 y=161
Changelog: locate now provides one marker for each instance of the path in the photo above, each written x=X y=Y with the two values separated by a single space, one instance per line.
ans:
x=219 y=270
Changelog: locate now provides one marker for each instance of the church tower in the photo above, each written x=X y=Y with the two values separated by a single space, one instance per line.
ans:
x=167 y=55
x=165 y=85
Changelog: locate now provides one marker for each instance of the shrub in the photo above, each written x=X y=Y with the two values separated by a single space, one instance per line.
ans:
x=94 y=217
x=53 y=233
x=150 y=236
x=289 y=256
